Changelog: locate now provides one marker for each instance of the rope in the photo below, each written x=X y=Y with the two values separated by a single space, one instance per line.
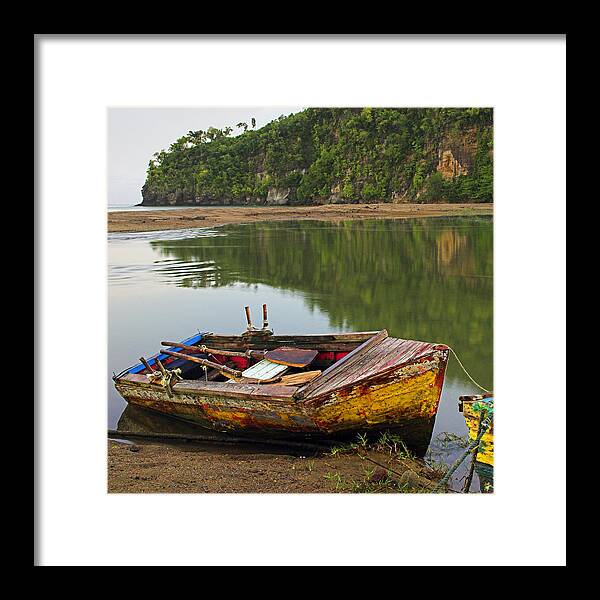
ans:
x=165 y=379
x=466 y=372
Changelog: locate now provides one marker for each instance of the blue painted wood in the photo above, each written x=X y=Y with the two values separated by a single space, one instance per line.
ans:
x=152 y=360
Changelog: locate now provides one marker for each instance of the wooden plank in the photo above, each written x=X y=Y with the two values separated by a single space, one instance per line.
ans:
x=293 y=357
x=265 y=370
x=407 y=351
x=386 y=352
x=326 y=337
x=324 y=342
x=390 y=354
x=262 y=382
x=329 y=373
x=341 y=367
x=350 y=362
x=339 y=346
x=299 y=378
x=237 y=390
x=215 y=388
x=352 y=369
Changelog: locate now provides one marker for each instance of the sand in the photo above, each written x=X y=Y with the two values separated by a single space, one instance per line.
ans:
x=185 y=218
x=153 y=467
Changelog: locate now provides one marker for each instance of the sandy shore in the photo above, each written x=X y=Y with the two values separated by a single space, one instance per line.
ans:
x=132 y=221
x=151 y=467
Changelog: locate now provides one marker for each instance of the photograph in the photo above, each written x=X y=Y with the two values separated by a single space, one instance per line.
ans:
x=300 y=300
x=279 y=281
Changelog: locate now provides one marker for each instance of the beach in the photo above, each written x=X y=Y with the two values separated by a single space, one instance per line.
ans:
x=180 y=467
x=186 y=218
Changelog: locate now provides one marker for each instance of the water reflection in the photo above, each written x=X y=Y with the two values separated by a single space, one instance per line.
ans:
x=428 y=279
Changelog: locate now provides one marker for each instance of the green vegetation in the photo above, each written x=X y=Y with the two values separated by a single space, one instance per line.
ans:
x=331 y=155
x=393 y=468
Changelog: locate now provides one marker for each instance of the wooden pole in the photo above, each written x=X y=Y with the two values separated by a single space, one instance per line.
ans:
x=248 y=319
x=265 y=320
x=145 y=363
x=206 y=363
x=205 y=349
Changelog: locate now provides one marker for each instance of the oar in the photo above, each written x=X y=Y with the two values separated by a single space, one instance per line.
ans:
x=206 y=363
x=204 y=349
x=145 y=363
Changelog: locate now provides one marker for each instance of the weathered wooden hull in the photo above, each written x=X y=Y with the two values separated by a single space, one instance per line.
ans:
x=403 y=398
x=395 y=398
x=220 y=409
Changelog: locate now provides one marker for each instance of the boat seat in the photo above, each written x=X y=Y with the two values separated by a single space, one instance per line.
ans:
x=265 y=370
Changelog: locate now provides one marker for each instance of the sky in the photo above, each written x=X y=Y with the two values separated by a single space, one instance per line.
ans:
x=135 y=134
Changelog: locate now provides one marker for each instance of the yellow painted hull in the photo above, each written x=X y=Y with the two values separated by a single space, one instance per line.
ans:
x=486 y=448
x=392 y=401
x=406 y=395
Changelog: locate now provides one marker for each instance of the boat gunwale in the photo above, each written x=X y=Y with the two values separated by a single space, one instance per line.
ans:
x=307 y=394
x=326 y=336
x=215 y=388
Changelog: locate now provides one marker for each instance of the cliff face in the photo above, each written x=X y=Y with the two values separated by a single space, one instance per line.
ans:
x=332 y=156
x=456 y=153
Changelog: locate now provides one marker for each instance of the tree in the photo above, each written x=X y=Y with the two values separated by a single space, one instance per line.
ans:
x=435 y=187
x=196 y=137
x=213 y=133
x=370 y=154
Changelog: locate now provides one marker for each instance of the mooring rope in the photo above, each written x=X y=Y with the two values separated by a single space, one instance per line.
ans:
x=465 y=370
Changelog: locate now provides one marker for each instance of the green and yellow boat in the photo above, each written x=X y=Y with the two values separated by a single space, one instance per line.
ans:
x=474 y=409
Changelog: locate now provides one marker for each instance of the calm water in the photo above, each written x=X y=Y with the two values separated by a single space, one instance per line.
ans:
x=424 y=279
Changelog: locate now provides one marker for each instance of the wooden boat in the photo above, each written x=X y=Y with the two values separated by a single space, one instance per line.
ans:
x=471 y=407
x=330 y=385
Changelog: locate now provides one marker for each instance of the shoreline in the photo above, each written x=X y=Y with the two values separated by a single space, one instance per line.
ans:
x=185 y=218
x=178 y=467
